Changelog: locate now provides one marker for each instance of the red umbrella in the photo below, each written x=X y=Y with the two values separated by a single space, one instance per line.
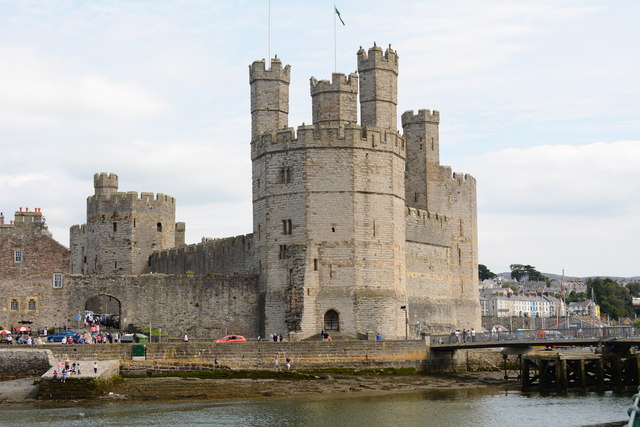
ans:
x=4 y=331
x=23 y=329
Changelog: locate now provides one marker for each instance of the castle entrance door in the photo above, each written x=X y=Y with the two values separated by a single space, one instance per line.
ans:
x=331 y=321
x=105 y=310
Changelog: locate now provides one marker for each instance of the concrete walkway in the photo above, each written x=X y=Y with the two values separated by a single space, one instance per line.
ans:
x=106 y=369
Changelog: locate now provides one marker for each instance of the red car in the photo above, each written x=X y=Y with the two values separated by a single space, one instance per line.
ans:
x=232 y=338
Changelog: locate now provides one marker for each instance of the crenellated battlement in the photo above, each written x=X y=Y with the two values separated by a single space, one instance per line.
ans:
x=423 y=116
x=376 y=59
x=329 y=136
x=460 y=177
x=258 y=71
x=423 y=215
x=105 y=183
x=339 y=83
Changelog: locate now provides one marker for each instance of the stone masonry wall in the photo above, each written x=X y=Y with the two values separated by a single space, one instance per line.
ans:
x=224 y=256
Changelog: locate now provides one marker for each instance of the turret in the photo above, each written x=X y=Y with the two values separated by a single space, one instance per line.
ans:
x=378 y=87
x=269 y=96
x=423 y=185
x=104 y=183
x=335 y=102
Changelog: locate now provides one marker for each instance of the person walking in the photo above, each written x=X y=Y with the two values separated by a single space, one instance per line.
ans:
x=277 y=364
x=288 y=363
x=186 y=338
x=95 y=367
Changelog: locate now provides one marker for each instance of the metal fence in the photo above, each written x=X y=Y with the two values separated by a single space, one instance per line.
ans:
x=537 y=334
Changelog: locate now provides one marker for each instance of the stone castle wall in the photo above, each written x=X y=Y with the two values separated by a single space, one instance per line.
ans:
x=224 y=256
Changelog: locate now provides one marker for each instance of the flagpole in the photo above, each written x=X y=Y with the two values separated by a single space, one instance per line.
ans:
x=335 y=55
x=269 y=37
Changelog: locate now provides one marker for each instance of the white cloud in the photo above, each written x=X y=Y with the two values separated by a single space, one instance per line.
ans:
x=572 y=207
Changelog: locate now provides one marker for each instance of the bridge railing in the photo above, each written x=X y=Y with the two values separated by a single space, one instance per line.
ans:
x=537 y=334
x=634 y=411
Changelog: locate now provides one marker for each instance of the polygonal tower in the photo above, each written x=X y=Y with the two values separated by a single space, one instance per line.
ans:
x=378 y=87
x=329 y=213
x=122 y=229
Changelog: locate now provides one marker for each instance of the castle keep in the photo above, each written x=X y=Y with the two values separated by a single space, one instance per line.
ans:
x=351 y=221
x=357 y=228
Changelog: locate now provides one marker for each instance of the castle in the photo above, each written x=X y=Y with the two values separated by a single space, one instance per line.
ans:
x=357 y=227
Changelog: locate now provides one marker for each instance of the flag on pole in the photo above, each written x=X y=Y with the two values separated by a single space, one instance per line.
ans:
x=339 y=17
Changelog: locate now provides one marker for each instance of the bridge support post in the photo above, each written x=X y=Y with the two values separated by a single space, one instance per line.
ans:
x=582 y=374
x=561 y=375
x=600 y=373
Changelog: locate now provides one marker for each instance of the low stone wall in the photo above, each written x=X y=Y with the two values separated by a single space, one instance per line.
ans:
x=17 y=363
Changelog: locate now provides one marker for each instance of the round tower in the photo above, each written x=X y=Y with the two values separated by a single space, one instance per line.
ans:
x=105 y=183
x=269 y=96
x=378 y=87
x=335 y=102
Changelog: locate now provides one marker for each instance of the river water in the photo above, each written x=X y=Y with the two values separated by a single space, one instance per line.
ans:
x=466 y=407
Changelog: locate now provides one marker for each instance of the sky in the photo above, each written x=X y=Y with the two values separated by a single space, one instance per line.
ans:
x=539 y=101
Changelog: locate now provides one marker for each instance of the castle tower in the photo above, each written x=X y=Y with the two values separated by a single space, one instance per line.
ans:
x=122 y=229
x=104 y=183
x=335 y=102
x=424 y=181
x=269 y=96
x=378 y=87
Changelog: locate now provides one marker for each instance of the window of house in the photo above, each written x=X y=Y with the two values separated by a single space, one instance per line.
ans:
x=32 y=304
x=17 y=256
x=286 y=226
x=14 y=305
x=57 y=280
x=283 y=252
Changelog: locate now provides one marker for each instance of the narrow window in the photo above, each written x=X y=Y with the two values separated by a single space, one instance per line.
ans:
x=433 y=143
x=283 y=252
x=258 y=183
x=283 y=176
x=17 y=256
x=32 y=304
x=289 y=176
x=259 y=231
x=134 y=223
x=84 y=260
x=459 y=256
x=333 y=229
x=374 y=229
x=159 y=226
x=115 y=265
x=57 y=280
x=415 y=197
x=286 y=226
x=14 y=305
x=315 y=264
x=421 y=146
x=115 y=227
x=330 y=271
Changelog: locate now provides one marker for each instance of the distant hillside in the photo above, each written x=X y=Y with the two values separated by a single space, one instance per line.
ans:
x=559 y=277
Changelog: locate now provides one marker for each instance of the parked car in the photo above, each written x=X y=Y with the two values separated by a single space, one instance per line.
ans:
x=232 y=338
x=58 y=336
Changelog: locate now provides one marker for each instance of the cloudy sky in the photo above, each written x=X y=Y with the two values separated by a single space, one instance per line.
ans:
x=540 y=101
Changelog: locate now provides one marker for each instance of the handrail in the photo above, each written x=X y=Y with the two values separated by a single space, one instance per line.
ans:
x=634 y=411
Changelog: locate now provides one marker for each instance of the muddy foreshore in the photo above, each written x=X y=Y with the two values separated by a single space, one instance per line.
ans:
x=169 y=388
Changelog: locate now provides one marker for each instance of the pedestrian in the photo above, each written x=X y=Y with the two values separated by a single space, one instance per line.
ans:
x=457 y=336
x=95 y=367
x=78 y=368
x=67 y=364
x=186 y=338
x=464 y=335
x=473 y=335
x=64 y=339
x=277 y=364
x=215 y=361
x=59 y=366
x=378 y=336
x=55 y=375
x=64 y=375
x=259 y=338
x=280 y=337
x=288 y=363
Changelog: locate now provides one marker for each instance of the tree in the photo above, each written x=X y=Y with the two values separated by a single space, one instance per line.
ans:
x=484 y=273
x=526 y=272
x=634 y=289
x=614 y=300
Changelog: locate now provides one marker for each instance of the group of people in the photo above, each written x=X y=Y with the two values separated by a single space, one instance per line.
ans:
x=287 y=361
x=25 y=339
x=465 y=336
x=272 y=337
x=66 y=368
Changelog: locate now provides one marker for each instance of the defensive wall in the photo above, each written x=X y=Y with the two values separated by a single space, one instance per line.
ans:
x=225 y=256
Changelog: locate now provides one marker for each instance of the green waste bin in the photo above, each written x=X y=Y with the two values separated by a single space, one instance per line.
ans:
x=139 y=352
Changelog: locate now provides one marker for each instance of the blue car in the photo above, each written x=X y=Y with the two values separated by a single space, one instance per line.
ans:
x=58 y=337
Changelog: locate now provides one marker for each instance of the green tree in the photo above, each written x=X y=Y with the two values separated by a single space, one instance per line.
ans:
x=484 y=273
x=526 y=272
x=634 y=289
x=614 y=300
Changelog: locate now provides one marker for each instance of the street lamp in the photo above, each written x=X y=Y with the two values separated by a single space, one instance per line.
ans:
x=406 y=321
